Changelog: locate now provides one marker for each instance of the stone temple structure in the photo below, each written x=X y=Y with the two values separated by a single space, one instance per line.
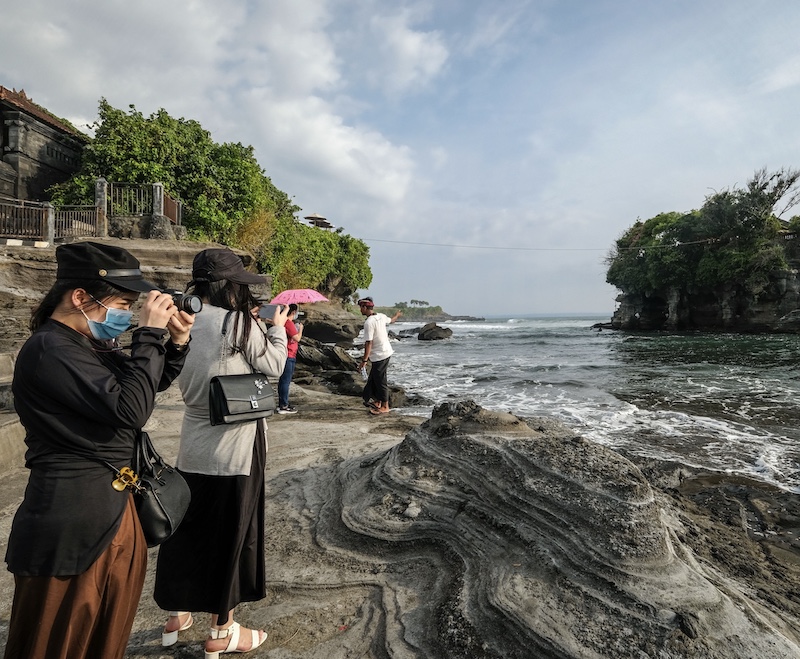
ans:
x=37 y=149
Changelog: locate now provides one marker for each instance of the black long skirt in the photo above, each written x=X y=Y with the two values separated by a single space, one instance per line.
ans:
x=215 y=560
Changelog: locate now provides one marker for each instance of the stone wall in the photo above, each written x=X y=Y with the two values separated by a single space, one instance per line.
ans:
x=40 y=155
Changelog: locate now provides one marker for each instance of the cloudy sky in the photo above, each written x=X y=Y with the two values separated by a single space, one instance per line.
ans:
x=489 y=152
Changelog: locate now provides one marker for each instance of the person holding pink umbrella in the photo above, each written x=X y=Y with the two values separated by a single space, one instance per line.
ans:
x=294 y=332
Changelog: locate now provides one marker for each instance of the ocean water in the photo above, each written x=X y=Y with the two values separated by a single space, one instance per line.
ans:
x=721 y=401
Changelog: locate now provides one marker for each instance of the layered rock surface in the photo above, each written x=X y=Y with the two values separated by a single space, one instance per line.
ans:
x=477 y=534
x=497 y=538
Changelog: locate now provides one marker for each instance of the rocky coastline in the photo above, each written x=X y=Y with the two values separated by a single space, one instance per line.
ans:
x=482 y=534
x=453 y=531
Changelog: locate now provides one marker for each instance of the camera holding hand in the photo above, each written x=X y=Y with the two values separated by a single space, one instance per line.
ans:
x=188 y=303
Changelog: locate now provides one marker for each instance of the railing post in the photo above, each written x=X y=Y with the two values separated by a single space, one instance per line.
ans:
x=158 y=199
x=50 y=227
x=101 y=203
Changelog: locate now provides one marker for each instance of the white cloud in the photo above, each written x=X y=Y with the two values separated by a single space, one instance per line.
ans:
x=404 y=58
x=785 y=75
x=304 y=135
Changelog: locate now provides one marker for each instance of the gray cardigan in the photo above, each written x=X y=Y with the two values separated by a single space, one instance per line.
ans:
x=225 y=450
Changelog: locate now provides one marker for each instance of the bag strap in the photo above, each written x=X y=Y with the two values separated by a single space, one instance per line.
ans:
x=223 y=363
x=144 y=454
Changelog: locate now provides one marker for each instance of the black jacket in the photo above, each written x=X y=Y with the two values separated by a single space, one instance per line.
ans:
x=76 y=399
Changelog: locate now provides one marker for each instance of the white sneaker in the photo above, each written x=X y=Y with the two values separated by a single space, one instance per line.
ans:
x=287 y=410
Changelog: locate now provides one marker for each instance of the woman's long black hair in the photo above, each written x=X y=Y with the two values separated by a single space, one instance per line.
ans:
x=234 y=297
x=97 y=288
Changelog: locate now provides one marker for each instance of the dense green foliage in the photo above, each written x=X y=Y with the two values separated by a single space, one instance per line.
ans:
x=226 y=196
x=220 y=185
x=730 y=240
x=300 y=256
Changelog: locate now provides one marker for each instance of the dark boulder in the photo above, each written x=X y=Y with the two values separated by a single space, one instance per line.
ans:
x=329 y=323
x=432 y=332
x=319 y=356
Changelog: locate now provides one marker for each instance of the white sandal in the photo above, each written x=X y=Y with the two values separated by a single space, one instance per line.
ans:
x=171 y=638
x=232 y=632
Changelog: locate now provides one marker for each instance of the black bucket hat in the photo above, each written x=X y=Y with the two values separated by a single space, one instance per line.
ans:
x=217 y=264
x=97 y=261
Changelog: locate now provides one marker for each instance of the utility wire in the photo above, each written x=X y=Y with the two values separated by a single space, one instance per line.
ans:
x=542 y=249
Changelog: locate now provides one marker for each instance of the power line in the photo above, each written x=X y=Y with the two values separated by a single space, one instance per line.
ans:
x=524 y=249
x=540 y=249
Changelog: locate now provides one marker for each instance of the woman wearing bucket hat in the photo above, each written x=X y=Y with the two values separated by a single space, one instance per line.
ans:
x=76 y=548
x=215 y=560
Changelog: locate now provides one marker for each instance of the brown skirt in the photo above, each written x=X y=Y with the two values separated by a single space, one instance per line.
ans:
x=87 y=616
x=215 y=559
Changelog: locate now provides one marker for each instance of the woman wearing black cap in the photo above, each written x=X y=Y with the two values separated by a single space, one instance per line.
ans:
x=215 y=560
x=76 y=547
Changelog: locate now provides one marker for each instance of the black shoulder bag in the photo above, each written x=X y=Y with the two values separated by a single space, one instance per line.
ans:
x=160 y=493
x=162 y=496
x=238 y=398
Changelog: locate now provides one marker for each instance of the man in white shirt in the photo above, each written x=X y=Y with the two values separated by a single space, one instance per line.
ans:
x=377 y=350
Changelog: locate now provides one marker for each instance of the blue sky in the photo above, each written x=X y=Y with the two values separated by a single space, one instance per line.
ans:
x=514 y=139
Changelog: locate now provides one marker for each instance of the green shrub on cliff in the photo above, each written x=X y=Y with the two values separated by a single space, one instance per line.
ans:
x=300 y=256
x=415 y=310
x=730 y=240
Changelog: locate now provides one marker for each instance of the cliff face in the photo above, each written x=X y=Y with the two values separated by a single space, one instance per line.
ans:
x=27 y=273
x=776 y=308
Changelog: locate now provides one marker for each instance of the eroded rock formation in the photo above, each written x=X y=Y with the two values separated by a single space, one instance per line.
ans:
x=776 y=308
x=538 y=544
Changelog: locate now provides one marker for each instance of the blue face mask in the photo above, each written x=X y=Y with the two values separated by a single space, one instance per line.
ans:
x=116 y=322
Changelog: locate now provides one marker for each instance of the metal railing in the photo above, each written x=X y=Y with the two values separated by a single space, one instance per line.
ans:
x=128 y=199
x=23 y=219
x=173 y=209
x=76 y=221
x=41 y=221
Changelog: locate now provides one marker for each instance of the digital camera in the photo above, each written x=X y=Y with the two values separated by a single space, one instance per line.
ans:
x=188 y=303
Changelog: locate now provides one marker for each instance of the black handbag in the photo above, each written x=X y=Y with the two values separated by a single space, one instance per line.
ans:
x=239 y=398
x=161 y=493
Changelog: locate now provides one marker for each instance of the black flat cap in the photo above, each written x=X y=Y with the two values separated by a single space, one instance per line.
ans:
x=217 y=264
x=92 y=261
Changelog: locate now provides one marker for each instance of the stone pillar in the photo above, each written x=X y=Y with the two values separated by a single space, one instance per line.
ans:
x=101 y=203
x=158 y=199
x=50 y=225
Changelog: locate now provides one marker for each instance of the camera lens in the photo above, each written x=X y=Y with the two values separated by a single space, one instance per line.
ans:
x=188 y=303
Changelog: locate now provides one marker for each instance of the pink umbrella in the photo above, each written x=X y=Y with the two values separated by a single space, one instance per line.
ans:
x=299 y=296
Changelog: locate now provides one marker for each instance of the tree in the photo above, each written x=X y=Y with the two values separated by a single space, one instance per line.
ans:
x=220 y=185
x=729 y=241
x=226 y=195
x=300 y=256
